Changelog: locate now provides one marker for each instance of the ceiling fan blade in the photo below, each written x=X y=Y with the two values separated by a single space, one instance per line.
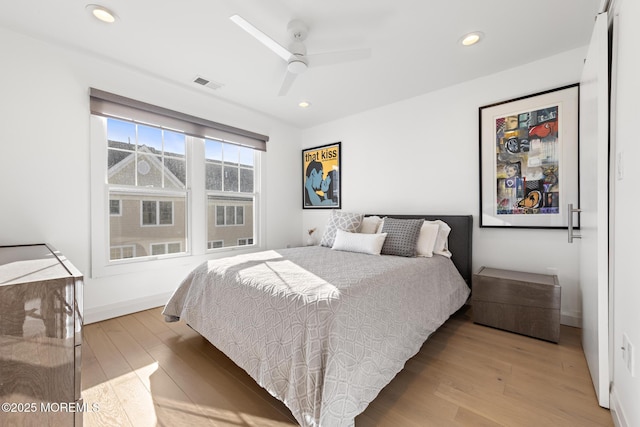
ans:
x=261 y=37
x=289 y=78
x=332 y=58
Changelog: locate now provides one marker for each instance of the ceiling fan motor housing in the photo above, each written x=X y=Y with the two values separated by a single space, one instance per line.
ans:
x=298 y=62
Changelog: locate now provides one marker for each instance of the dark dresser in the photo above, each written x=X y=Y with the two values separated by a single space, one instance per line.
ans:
x=40 y=337
x=526 y=303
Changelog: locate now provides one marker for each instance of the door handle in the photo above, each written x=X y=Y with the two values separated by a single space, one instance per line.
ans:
x=571 y=211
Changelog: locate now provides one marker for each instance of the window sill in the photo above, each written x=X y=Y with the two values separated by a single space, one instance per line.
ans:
x=142 y=264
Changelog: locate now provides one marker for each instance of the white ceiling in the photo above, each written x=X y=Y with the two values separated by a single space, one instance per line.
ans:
x=414 y=44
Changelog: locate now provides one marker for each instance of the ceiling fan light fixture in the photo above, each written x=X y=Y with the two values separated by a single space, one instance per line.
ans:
x=101 y=13
x=471 y=38
x=297 y=65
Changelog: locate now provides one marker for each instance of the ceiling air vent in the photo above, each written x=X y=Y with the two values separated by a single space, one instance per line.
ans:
x=208 y=83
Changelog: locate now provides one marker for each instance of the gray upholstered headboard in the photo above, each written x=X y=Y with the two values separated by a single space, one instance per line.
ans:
x=459 y=239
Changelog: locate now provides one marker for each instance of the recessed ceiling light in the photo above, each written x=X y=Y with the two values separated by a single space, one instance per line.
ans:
x=471 y=38
x=102 y=13
x=304 y=104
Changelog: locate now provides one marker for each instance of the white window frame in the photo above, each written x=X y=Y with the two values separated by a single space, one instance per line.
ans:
x=196 y=202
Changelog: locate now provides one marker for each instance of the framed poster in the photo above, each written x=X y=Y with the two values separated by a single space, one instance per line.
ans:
x=321 y=187
x=529 y=168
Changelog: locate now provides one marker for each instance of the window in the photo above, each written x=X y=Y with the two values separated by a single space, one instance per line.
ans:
x=215 y=244
x=230 y=178
x=122 y=252
x=229 y=215
x=165 y=248
x=145 y=156
x=115 y=207
x=164 y=170
x=157 y=212
x=147 y=176
x=229 y=167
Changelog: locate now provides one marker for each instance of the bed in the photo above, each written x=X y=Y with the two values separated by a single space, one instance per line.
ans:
x=320 y=329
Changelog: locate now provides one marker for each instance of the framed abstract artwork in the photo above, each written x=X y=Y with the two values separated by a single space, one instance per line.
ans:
x=529 y=168
x=321 y=181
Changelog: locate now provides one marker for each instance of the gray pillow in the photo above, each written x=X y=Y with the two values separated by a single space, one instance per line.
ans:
x=402 y=236
x=340 y=220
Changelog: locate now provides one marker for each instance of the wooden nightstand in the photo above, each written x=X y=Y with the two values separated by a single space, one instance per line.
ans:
x=525 y=303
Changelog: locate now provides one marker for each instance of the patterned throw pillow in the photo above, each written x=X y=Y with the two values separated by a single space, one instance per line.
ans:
x=340 y=221
x=402 y=236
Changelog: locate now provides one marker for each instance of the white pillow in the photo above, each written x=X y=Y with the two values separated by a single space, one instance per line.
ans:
x=359 y=242
x=370 y=224
x=427 y=239
x=442 y=242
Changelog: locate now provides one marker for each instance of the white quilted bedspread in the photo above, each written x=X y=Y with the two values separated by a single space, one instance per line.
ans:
x=322 y=330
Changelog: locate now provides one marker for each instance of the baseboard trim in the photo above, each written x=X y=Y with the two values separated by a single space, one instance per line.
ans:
x=109 y=311
x=574 y=320
x=616 y=410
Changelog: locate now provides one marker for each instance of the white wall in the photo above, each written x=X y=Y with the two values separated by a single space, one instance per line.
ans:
x=44 y=161
x=421 y=156
x=626 y=288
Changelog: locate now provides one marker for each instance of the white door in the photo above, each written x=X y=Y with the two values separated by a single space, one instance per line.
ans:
x=594 y=218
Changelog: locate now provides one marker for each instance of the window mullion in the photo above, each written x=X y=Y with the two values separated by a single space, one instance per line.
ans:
x=197 y=195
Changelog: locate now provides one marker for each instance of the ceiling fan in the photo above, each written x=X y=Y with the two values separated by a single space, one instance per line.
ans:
x=296 y=55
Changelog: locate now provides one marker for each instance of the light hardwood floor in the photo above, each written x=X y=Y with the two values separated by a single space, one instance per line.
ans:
x=141 y=371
